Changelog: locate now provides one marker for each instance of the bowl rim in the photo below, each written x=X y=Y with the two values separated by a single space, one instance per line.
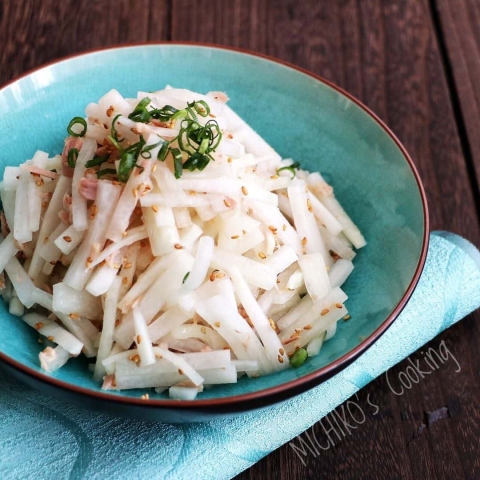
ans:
x=307 y=381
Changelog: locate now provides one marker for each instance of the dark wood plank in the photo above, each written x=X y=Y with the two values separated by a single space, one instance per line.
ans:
x=460 y=22
x=387 y=54
x=35 y=32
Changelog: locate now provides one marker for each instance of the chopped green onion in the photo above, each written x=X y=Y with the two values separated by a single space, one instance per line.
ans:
x=298 y=358
x=291 y=168
x=74 y=121
x=96 y=161
x=163 y=152
x=113 y=131
x=115 y=143
x=106 y=171
x=185 y=277
x=72 y=157
x=202 y=108
x=147 y=151
x=128 y=161
x=141 y=114
x=177 y=162
x=164 y=114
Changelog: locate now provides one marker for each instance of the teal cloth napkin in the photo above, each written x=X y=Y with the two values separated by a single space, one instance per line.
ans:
x=41 y=437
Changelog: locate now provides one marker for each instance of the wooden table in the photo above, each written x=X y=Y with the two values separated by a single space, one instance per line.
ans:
x=416 y=63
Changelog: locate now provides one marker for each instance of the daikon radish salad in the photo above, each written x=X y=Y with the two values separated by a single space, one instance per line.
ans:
x=172 y=246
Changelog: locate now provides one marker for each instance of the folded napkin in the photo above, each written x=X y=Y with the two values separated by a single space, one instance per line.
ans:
x=41 y=437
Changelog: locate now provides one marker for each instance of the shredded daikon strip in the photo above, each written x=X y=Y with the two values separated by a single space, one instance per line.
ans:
x=226 y=252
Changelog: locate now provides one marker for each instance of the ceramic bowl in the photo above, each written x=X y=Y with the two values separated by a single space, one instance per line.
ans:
x=302 y=116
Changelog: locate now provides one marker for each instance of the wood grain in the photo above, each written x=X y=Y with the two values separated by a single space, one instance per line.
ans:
x=387 y=53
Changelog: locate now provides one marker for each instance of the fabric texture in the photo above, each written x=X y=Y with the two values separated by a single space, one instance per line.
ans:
x=41 y=437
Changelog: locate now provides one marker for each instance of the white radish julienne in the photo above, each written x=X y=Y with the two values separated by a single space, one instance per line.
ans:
x=173 y=280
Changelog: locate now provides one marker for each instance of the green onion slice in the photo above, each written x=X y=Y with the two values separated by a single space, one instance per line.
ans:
x=106 y=171
x=126 y=165
x=96 y=161
x=298 y=358
x=80 y=121
x=185 y=277
x=177 y=162
x=72 y=157
x=291 y=168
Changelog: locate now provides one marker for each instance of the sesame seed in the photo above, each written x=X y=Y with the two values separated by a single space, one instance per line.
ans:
x=262 y=255
x=125 y=280
x=278 y=280
x=244 y=190
x=324 y=312
x=203 y=330
x=155 y=208
x=230 y=160
x=280 y=359
x=227 y=203
x=89 y=261
x=308 y=327
x=39 y=182
x=50 y=337
x=272 y=324
x=347 y=317
x=154 y=167
x=217 y=324
x=220 y=275
x=124 y=234
x=274 y=177
x=74 y=316
x=67 y=238
x=272 y=228
x=338 y=305
x=281 y=351
x=309 y=205
x=284 y=227
x=178 y=246
x=304 y=241
x=244 y=232
x=139 y=339
x=234 y=237
x=44 y=204
x=110 y=111
x=39 y=325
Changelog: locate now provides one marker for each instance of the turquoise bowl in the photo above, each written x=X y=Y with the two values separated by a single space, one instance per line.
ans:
x=302 y=116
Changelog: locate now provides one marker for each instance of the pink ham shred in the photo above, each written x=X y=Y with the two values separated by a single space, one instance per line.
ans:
x=40 y=171
x=70 y=142
x=88 y=188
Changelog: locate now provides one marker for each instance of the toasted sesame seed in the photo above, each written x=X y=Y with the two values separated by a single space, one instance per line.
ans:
x=272 y=228
x=158 y=356
x=274 y=177
x=67 y=238
x=39 y=325
x=308 y=327
x=309 y=205
x=39 y=182
x=89 y=261
x=217 y=324
x=227 y=203
x=230 y=160
x=154 y=167
x=324 y=312
x=244 y=190
x=127 y=265
x=124 y=234
x=347 y=317
x=219 y=275
x=180 y=371
x=280 y=359
x=139 y=339
x=272 y=323
x=338 y=305
x=304 y=241
x=74 y=316
x=178 y=246
x=110 y=111
x=244 y=232
x=234 y=237
x=203 y=330
x=44 y=204
x=125 y=280
x=281 y=351
x=155 y=208
x=278 y=280
x=262 y=255
x=284 y=227
x=50 y=337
